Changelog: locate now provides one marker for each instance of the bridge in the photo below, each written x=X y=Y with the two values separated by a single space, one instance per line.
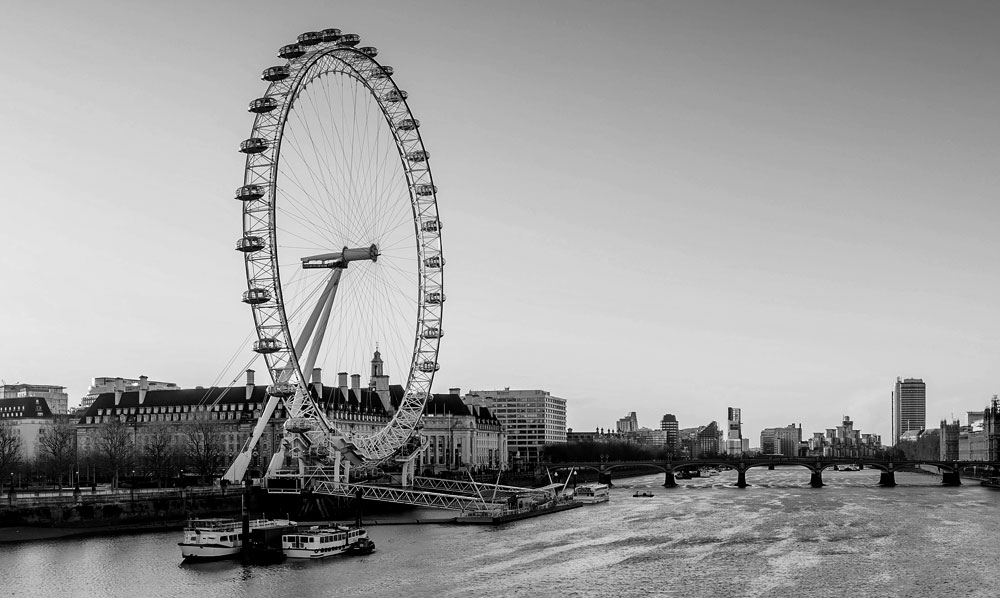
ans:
x=950 y=470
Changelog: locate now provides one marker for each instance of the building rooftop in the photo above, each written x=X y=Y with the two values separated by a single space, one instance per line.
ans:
x=24 y=407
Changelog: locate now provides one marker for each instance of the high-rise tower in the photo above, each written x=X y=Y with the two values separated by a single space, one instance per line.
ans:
x=909 y=407
x=669 y=424
x=734 y=440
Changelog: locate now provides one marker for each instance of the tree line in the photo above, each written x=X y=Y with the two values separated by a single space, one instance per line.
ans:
x=157 y=455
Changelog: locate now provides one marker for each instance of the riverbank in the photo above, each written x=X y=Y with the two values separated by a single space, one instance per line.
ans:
x=24 y=533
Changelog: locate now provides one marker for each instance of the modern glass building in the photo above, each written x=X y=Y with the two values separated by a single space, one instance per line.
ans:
x=909 y=407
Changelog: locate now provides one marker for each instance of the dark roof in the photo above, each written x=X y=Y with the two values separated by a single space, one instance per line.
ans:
x=23 y=407
x=367 y=402
x=450 y=404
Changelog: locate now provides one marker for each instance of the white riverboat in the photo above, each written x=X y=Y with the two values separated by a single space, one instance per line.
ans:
x=319 y=542
x=220 y=537
x=591 y=493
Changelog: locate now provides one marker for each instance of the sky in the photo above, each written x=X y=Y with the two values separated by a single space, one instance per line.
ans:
x=659 y=207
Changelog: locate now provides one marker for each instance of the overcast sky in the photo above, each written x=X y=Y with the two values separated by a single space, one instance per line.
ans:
x=660 y=207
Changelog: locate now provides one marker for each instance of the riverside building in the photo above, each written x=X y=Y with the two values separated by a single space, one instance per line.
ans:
x=781 y=441
x=105 y=384
x=26 y=417
x=735 y=443
x=909 y=407
x=459 y=435
x=224 y=418
x=55 y=396
x=669 y=425
x=531 y=418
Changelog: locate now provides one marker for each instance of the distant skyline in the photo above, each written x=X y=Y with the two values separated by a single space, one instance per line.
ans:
x=660 y=207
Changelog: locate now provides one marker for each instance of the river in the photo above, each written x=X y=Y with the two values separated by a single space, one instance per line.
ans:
x=777 y=538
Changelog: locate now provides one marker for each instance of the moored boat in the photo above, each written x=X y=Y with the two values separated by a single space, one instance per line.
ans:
x=220 y=537
x=591 y=493
x=319 y=542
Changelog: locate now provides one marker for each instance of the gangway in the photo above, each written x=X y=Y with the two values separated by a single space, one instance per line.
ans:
x=471 y=488
x=452 y=502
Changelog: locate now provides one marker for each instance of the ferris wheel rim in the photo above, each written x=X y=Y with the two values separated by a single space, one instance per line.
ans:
x=360 y=66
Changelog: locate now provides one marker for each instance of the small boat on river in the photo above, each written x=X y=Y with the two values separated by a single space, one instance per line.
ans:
x=319 y=542
x=991 y=482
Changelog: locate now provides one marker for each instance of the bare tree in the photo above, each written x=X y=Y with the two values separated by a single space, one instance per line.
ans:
x=10 y=449
x=159 y=452
x=115 y=446
x=57 y=450
x=204 y=448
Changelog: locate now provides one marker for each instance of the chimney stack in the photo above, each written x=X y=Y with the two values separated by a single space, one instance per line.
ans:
x=382 y=390
x=455 y=391
x=356 y=387
x=119 y=389
x=317 y=380
x=250 y=385
x=143 y=387
x=342 y=385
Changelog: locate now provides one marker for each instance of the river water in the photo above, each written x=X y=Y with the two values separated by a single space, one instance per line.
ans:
x=777 y=538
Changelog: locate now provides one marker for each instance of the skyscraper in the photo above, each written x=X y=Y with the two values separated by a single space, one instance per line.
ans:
x=909 y=407
x=734 y=441
x=669 y=424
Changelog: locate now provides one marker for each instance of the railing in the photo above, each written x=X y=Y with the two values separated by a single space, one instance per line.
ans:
x=452 y=502
x=470 y=488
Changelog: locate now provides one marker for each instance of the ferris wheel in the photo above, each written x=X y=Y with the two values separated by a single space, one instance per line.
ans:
x=341 y=241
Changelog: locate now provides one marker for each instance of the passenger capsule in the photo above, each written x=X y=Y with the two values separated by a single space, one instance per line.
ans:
x=310 y=38
x=396 y=95
x=434 y=261
x=425 y=189
x=266 y=345
x=349 y=39
x=434 y=297
x=249 y=192
x=254 y=145
x=275 y=73
x=330 y=35
x=369 y=51
x=256 y=296
x=431 y=226
x=249 y=244
x=408 y=124
x=429 y=366
x=262 y=105
x=418 y=156
x=381 y=72
x=432 y=333
x=291 y=51
x=281 y=389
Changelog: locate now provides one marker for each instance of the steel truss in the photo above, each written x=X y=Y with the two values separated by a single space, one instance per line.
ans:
x=470 y=488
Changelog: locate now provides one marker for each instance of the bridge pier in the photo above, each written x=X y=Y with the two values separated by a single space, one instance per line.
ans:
x=816 y=479
x=604 y=477
x=951 y=478
x=887 y=479
x=741 y=479
x=669 y=481
x=770 y=467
